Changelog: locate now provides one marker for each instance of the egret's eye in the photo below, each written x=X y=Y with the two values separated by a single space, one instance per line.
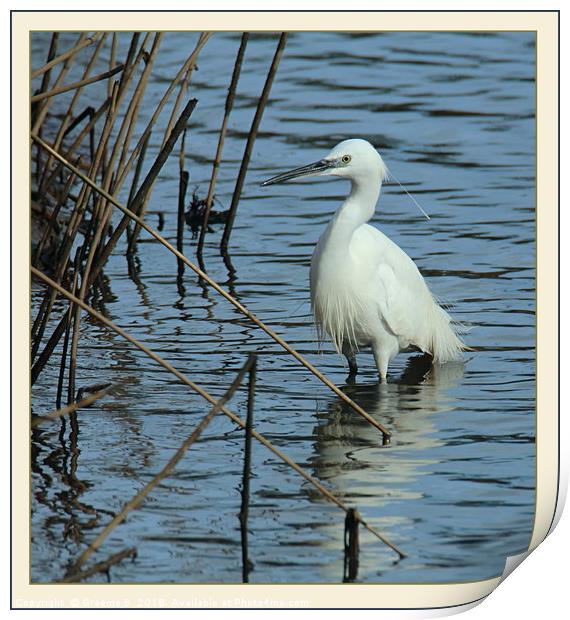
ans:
x=345 y=159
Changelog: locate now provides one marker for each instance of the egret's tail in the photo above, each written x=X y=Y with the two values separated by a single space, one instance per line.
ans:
x=446 y=344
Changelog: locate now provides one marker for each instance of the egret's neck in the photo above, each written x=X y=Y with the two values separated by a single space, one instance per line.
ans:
x=356 y=210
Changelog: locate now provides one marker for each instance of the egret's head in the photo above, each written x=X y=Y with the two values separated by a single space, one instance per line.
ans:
x=355 y=159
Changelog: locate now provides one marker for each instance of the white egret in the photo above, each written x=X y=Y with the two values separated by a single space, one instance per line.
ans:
x=365 y=290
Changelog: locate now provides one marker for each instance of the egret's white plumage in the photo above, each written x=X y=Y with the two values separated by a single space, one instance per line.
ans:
x=365 y=290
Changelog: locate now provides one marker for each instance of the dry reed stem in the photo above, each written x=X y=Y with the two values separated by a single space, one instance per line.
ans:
x=135 y=501
x=43 y=108
x=355 y=406
x=65 y=248
x=146 y=185
x=65 y=123
x=218 y=157
x=192 y=58
x=77 y=215
x=126 y=77
x=251 y=139
x=71 y=52
x=167 y=134
x=133 y=109
x=101 y=214
x=71 y=408
x=131 y=114
x=88 y=129
x=76 y=85
x=211 y=399
x=51 y=55
x=112 y=57
x=137 y=173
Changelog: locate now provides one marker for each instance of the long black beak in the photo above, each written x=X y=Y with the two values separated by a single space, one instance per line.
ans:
x=305 y=171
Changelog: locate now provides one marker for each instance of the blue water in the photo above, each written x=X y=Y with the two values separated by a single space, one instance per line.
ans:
x=453 y=116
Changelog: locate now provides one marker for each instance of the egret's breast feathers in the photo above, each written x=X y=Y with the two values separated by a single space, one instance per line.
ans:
x=340 y=314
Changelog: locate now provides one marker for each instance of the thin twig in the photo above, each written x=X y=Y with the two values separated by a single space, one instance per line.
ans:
x=355 y=406
x=211 y=399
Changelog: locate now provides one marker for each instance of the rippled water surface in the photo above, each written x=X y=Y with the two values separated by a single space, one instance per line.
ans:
x=453 y=116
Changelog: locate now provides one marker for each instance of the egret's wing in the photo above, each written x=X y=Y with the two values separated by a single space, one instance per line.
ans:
x=398 y=307
x=404 y=297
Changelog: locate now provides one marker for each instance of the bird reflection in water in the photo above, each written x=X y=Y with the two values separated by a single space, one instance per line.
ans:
x=381 y=481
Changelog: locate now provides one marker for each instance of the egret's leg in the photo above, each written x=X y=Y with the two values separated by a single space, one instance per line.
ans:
x=382 y=356
x=352 y=366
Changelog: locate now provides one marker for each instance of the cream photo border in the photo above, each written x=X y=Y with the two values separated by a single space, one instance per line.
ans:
x=25 y=594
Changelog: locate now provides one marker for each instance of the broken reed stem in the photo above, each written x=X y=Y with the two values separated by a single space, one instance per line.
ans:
x=218 y=157
x=71 y=52
x=204 y=276
x=182 y=188
x=250 y=141
x=165 y=471
x=100 y=567
x=207 y=396
x=85 y=402
x=75 y=85
x=244 y=510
